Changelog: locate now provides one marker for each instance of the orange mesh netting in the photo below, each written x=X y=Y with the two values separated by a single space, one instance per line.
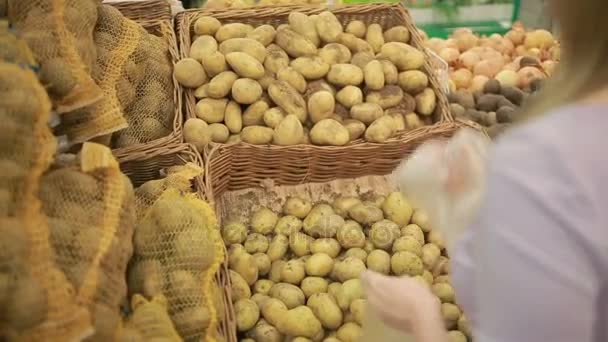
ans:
x=178 y=251
x=37 y=301
x=60 y=34
x=90 y=206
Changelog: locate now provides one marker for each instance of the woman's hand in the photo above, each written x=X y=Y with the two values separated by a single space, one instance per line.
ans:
x=403 y=303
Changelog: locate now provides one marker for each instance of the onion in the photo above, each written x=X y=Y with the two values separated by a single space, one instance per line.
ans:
x=450 y=43
x=462 y=78
x=461 y=31
x=450 y=55
x=516 y=36
x=506 y=47
x=520 y=50
x=478 y=82
x=540 y=39
x=528 y=74
x=466 y=41
x=496 y=63
x=496 y=37
x=451 y=86
x=468 y=59
x=549 y=67
x=555 y=52
x=514 y=66
x=507 y=78
x=534 y=52
x=484 y=68
x=435 y=44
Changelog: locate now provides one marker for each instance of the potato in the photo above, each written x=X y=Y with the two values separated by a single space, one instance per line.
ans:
x=326 y=310
x=221 y=85
x=421 y=219
x=233 y=251
x=300 y=321
x=412 y=121
x=414 y=231
x=355 y=128
x=345 y=74
x=426 y=102
x=259 y=298
x=257 y=135
x=435 y=237
x=288 y=294
x=349 y=96
x=430 y=255
x=356 y=252
x=380 y=130
x=341 y=205
x=442 y=279
x=365 y=214
x=232 y=117
x=263 y=221
x=245 y=265
x=288 y=98
x=312 y=285
x=328 y=27
x=288 y=225
x=189 y=73
x=406 y=263
x=247 y=314
x=244 y=65
x=373 y=74
x=464 y=327
x=293 y=77
x=240 y=288
x=413 y=81
x=327 y=246
x=329 y=132
x=456 y=336
x=387 y=97
x=202 y=47
x=404 y=56
x=275 y=270
x=360 y=59
x=297 y=207
x=379 y=261
x=374 y=37
x=349 y=332
x=254 y=114
x=349 y=268
x=391 y=74
x=232 y=30
x=196 y=132
x=451 y=314
x=397 y=34
x=295 y=44
x=318 y=211
x=442 y=266
x=288 y=132
x=276 y=59
x=312 y=68
x=409 y=244
x=444 y=291
x=335 y=53
x=264 y=34
x=319 y=264
x=293 y=272
x=304 y=25
x=191 y=319
x=265 y=333
x=246 y=91
x=357 y=28
x=256 y=243
x=273 y=116
x=201 y=92
x=234 y=232
x=263 y=286
x=397 y=209
x=206 y=26
x=219 y=132
x=383 y=233
x=366 y=112
x=300 y=243
x=274 y=309
x=350 y=235
x=355 y=45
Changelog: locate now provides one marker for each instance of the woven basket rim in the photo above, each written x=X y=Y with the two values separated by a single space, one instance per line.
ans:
x=143 y=12
x=165 y=28
x=184 y=21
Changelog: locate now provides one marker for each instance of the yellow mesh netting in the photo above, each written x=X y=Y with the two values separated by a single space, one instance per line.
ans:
x=178 y=251
x=12 y=49
x=149 y=321
x=91 y=211
x=37 y=301
x=60 y=34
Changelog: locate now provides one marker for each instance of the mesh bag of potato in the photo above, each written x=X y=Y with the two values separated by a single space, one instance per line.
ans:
x=134 y=71
x=178 y=251
x=60 y=34
x=36 y=299
x=91 y=213
x=148 y=321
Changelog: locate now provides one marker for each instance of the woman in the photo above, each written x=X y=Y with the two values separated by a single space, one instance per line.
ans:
x=534 y=265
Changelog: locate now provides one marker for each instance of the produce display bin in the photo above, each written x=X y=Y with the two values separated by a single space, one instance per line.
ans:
x=309 y=163
x=155 y=16
x=147 y=165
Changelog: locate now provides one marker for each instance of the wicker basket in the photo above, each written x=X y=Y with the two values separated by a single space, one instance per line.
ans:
x=147 y=165
x=145 y=12
x=161 y=29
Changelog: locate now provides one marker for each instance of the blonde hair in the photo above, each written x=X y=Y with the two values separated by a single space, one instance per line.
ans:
x=583 y=67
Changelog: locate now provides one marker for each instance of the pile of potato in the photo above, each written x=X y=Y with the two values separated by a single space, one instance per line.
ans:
x=493 y=107
x=309 y=81
x=177 y=252
x=248 y=3
x=295 y=274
